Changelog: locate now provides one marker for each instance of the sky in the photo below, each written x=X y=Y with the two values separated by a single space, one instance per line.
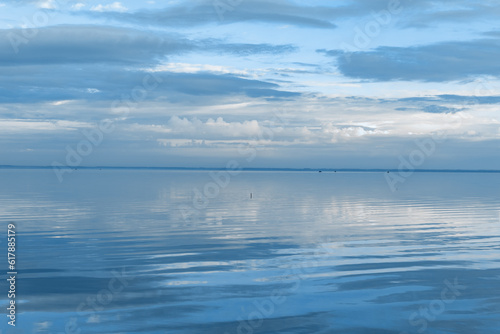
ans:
x=277 y=83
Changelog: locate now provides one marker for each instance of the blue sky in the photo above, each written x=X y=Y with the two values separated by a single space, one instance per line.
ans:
x=278 y=83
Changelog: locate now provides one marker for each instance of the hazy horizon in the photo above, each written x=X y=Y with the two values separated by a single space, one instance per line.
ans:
x=258 y=168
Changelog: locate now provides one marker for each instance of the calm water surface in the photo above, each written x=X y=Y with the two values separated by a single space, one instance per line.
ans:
x=129 y=251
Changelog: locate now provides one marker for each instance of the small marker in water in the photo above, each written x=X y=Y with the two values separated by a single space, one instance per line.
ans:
x=251 y=195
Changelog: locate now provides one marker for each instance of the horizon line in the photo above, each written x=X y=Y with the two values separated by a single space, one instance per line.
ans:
x=270 y=169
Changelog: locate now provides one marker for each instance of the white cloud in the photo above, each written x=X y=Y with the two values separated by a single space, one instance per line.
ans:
x=30 y=125
x=60 y=103
x=42 y=327
x=314 y=131
x=184 y=132
x=195 y=68
x=78 y=6
x=211 y=129
x=113 y=7
x=46 y=4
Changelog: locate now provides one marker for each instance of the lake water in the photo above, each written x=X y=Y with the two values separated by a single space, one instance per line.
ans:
x=141 y=251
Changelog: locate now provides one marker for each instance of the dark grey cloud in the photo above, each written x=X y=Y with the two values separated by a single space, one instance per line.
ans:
x=446 y=61
x=87 y=44
x=426 y=13
x=103 y=44
x=103 y=82
x=494 y=33
x=437 y=109
x=201 y=12
x=470 y=99
x=452 y=98
x=408 y=13
x=435 y=12
x=102 y=63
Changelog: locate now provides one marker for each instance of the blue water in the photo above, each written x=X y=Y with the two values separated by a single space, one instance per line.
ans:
x=140 y=251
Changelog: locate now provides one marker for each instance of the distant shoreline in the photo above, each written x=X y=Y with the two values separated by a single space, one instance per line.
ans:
x=361 y=170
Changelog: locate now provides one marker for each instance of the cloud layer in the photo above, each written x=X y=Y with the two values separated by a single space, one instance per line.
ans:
x=445 y=61
x=198 y=82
